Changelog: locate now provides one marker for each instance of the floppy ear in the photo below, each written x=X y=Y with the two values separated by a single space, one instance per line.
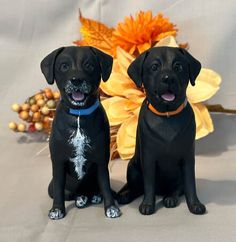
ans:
x=105 y=62
x=48 y=63
x=135 y=69
x=194 y=66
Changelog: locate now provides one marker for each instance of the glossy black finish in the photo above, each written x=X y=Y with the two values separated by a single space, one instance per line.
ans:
x=79 y=69
x=164 y=159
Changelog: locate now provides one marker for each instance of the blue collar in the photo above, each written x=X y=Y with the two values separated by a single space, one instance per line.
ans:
x=86 y=111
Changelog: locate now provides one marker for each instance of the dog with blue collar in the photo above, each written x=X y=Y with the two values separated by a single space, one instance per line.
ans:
x=80 y=138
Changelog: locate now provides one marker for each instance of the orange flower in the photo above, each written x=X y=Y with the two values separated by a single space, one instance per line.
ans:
x=142 y=32
x=124 y=105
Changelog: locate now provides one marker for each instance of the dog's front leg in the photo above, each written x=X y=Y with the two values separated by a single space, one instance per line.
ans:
x=194 y=205
x=111 y=210
x=58 y=209
x=147 y=206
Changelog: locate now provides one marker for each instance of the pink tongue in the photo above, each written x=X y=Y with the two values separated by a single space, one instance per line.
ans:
x=77 y=96
x=168 y=96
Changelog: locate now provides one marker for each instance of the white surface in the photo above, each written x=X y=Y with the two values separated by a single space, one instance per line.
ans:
x=30 y=30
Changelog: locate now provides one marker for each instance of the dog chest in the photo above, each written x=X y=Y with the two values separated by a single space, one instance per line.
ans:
x=80 y=143
x=178 y=128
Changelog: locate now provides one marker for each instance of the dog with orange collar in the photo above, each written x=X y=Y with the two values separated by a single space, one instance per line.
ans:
x=164 y=159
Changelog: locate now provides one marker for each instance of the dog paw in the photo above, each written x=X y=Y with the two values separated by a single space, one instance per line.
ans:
x=197 y=208
x=96 y=199
x=113 y=212
x=146 y=209
x=81 y=201
x=56 y=213
x=170 y=202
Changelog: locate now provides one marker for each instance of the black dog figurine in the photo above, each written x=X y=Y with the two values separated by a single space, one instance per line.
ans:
x=164 y=159
x=80 y=140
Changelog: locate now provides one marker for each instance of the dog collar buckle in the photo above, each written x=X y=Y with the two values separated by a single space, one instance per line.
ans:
x=86 y=111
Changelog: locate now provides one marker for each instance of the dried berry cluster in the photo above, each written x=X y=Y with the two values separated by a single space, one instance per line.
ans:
x=37 y=112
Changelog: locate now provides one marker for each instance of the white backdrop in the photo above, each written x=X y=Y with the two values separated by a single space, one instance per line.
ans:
x=29 y=30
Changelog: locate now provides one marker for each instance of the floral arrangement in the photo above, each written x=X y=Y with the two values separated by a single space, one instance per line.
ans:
x=120 y=96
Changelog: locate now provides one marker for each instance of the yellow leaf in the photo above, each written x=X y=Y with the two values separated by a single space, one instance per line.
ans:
x=124 y=59
x=126 y=156
x=134 y=95
x=143 y=47
x=115 y=66
x=131 y=127
x=96 y=34
x=117 y=109
x=126 y=137
x=207 y=84
x=204 y=124
x=117 y=84
x=167 y=41
x=163 y=35
x=136 y=111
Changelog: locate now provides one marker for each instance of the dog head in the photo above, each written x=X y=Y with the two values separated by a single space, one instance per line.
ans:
x=77 y=72
x=165 y=73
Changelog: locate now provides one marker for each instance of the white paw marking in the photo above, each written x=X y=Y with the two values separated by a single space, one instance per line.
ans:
x=113 y=212
x=81 y=201
x=96 y=199
x=80 y=143
x=55 y=214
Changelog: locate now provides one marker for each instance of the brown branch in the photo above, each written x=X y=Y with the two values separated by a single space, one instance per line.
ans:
x=218 y=108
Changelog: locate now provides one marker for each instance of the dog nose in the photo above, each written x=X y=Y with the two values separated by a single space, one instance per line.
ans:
x=75 y=81
x=167 y=79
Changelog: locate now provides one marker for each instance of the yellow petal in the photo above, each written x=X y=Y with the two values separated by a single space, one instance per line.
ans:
x=204 y=124
x=118 y=83
x=126 y=137
x=131 y=126
x=164 y=35
x=106 y=88
x=124 y=59
x=127 y=156
x=117 y=109
x=115 y=66
x=136 y=111
x=106 y=103
x=132 y=50
x=133 y=94
x=207 y=84
x=167 y=41
x=143 y=47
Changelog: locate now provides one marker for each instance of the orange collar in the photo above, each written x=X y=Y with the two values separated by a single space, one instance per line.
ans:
x=168 y=114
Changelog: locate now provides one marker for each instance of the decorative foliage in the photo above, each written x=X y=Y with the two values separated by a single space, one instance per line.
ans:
x=120 y=96
x=135 y=35
x=95 y=34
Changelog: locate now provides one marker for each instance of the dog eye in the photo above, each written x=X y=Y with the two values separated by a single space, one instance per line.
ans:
x=178 y=67
x=155 y=67
x=89 y=66
x=64 y=67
